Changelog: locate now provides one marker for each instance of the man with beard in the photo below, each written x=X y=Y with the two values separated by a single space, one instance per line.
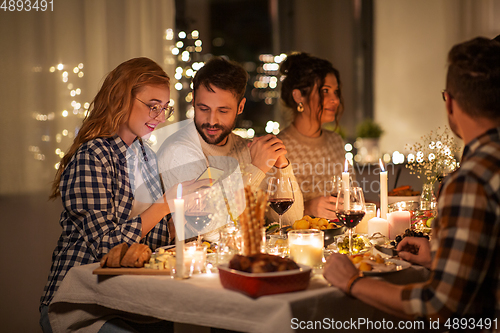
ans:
x=218 y=98
x=464 y=253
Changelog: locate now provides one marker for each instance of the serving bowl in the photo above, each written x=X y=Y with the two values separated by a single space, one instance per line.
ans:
x=260 y=284
x=331 y=233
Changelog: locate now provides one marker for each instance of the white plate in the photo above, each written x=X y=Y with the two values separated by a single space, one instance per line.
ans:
x=166 y=247
x=391 y=265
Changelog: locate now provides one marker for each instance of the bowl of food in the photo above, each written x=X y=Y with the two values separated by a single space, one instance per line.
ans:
x=330 y=228
x=403 y=193
x=259 y=281
x=360 y=244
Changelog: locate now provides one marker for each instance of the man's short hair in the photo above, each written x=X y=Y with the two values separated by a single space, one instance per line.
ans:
x=223 y=74
x=473 y=78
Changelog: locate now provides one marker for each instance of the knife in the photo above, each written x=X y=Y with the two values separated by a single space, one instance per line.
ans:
x=390 y=251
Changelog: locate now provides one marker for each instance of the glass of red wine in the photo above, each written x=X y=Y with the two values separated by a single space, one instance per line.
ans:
x=281 y=197
x=197 y=213
x=350 y=209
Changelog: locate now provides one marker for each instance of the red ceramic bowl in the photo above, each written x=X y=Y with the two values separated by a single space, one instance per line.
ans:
x=260 y=284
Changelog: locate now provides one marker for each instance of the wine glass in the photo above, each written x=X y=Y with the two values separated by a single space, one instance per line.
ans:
x=197 y=213
x=281 y=197
x=336 y=185
x=350 y=209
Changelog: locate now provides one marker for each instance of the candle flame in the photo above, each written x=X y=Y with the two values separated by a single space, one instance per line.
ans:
x=381 y=164
x=179 y=191
x=346 y=166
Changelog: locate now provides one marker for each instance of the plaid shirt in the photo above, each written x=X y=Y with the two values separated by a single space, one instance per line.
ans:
x=96 y=192
x=465 y=275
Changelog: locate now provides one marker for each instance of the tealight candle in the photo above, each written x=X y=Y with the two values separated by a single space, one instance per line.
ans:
x=179 y=234
x=306 y=246
x=195 y=257
x=383 y=191
x=399 y=221
x=378 y=224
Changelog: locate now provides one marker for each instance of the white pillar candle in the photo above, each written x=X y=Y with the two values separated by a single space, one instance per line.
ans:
x=179 y=233
x=378 y=224
x=345 y=186
x=399 y=221
x=383 y=191
x=306 y=246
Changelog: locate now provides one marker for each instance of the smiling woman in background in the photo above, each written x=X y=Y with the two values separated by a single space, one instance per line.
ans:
x=312 y=90
x=98 y=176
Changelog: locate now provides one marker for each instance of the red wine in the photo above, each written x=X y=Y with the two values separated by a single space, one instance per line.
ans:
x=350 y=218
x=280 y=206
x=198 y=220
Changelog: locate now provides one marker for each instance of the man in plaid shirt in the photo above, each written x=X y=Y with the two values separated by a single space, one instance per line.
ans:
x=464 y=255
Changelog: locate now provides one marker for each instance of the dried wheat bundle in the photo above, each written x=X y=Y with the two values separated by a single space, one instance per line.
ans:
x=252 y=220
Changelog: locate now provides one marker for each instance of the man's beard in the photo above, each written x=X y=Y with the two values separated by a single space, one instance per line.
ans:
x=214 y=140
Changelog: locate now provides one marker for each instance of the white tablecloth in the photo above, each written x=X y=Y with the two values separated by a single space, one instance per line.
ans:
x=86 y=301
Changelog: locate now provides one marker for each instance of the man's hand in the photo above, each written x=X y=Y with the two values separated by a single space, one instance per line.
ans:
x=339 y=270
x=421 y=248
x=267 y=151
x=322 y=206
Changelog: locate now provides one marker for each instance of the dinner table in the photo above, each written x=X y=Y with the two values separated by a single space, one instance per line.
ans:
x=85 y=301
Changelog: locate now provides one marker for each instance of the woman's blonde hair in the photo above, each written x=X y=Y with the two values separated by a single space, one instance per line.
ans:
x=112 y=104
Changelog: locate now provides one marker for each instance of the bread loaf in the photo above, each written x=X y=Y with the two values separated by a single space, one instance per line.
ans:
x=136 y=255
x=114 y=257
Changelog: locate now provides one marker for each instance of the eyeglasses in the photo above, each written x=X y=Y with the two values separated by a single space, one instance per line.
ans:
x=443 y=94
x=157 y=109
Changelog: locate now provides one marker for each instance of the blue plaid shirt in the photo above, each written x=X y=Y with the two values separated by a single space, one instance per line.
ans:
x=97 y=197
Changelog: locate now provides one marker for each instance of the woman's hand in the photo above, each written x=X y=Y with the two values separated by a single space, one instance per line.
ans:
x=339 y=270
x=421 y=251
x=322 y=206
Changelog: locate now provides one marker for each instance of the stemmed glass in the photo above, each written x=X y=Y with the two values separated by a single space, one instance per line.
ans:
x=197 y=213
x=281 y=197
x=336 y=185
x=350 y=209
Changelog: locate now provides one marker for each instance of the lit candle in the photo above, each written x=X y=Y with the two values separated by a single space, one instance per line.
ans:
x=399 y=221
x=179 y=233
x=378 y=224
x=195 y=257
x=345 y=186
x=370 y=212
x=306 y=246
x=383 y=191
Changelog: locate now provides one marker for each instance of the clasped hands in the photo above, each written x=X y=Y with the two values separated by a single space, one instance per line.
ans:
x=268 y=151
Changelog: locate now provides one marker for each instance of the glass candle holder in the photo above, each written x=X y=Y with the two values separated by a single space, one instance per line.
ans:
x=370 y=212
x=195 y=258
x=277 y=245
x=306 y=246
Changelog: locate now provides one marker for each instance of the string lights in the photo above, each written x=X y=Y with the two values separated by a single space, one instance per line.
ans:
x=66 y=119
